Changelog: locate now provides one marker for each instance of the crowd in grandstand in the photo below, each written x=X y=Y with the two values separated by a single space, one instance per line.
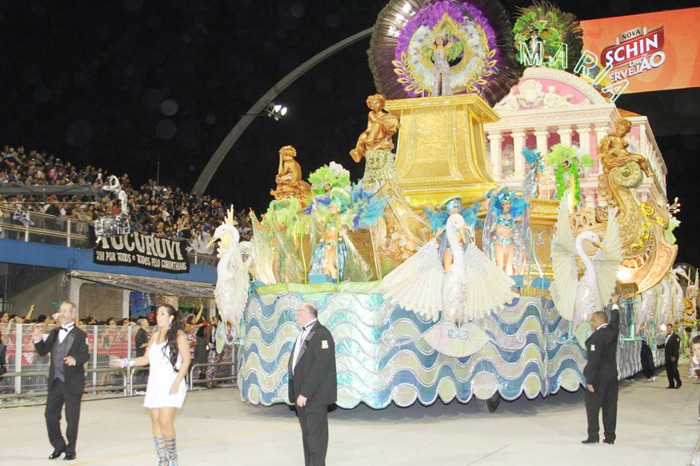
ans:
x=156 y=209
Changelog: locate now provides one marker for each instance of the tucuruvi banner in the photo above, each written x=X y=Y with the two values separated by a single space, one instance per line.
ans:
x=653 y=51
x=147 y=251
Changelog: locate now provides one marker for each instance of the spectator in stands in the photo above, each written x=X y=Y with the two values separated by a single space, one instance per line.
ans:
x=201 y=350
x=213 y=357
x=142 y=339
x=181 y=214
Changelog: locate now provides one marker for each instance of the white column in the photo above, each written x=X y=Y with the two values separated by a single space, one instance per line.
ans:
x=565 y=135
x=496 y=144
x=600 y=133
x=74 y=294
x=542 y=136
x=518 y=159
x=584 y=138
x=125 y=303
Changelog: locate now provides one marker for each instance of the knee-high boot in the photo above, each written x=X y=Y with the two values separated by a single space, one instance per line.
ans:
x=171 y=445
x=161 y=450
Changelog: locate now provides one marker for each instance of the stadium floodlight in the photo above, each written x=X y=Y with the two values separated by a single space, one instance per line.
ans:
x=272 y=110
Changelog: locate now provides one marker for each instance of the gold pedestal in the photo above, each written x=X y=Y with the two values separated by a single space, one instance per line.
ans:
x=441 y=150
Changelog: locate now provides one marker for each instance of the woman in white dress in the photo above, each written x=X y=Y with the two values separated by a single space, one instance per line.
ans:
x=168 y=355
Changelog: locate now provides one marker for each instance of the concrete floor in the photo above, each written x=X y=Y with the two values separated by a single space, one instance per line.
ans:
x=655 y=427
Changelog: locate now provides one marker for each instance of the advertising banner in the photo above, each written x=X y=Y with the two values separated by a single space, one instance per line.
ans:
x=150 y=252
x=653 y=51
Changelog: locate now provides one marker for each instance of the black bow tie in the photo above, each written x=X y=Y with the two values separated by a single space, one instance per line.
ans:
x=66 y=329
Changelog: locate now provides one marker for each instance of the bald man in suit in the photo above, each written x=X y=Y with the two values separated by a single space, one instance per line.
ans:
x=312 y=382
x=601 y=374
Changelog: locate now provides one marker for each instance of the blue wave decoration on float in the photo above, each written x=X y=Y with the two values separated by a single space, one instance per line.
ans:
x=385 y=354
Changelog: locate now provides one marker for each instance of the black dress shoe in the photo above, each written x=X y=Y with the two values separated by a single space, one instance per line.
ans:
x=679 y=384
x=69 y=457
x=609 y=442
x=55 y=454
x=670 y=386
x=590 y=440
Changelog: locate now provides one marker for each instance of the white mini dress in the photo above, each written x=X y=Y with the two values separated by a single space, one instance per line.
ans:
x=161 y=378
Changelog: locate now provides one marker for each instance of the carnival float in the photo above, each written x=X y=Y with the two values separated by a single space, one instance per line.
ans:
x=501 y=204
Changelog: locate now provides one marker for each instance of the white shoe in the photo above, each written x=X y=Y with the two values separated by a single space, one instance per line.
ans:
x=139 y=393
x=653 y=379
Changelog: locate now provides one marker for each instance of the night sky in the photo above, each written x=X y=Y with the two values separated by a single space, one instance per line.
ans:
x=123 y=84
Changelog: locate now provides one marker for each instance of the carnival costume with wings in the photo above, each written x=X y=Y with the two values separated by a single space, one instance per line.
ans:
x=577 y=299
x=472 y=286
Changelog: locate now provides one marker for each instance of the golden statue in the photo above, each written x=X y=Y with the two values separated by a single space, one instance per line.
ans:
x=647 y=256
x=289 y=180
x=613 y=153
x=381 y=127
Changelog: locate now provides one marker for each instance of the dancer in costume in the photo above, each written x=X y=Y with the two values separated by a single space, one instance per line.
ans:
x=331 y=252
x=335 y=255
x=505 y=230
x=462 y=281
x=437 y=218
x=168 y=355
x=568 y=162
x=441 y=75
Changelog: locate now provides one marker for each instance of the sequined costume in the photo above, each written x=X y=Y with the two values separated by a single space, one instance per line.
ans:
x=441 y=76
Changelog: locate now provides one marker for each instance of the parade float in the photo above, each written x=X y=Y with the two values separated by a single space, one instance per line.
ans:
x=504 y=198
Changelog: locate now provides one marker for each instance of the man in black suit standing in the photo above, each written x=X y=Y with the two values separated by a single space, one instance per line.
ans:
x=69 y=352
x=671 y=346
x=601 y=374
x=312 y=382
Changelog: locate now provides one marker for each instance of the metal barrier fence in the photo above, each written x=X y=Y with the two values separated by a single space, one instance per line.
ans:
x=27 y=372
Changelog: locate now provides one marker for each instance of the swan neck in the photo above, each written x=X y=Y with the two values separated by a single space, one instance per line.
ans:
x=584 y=257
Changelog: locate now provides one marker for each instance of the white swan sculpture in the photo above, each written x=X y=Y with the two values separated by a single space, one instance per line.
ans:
x=472 y=287
x=577 y=299
x=232 y=281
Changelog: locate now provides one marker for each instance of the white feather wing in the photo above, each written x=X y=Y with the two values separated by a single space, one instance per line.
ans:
x=563 y=256
x=416 y=285
x=488 y=287
x=232 y=294
x=607 y=260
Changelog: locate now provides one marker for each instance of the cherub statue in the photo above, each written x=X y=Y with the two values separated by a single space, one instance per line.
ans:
x=289 y=180
x=381 y=127
x=613 y=153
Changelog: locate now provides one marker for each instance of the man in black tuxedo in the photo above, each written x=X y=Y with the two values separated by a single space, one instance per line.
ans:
x=671 y=348
x=312 y=382
x=601 y=374
x=69 y=352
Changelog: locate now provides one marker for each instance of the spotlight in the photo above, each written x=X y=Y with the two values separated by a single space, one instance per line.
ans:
x=272 y=110
x=275 y=111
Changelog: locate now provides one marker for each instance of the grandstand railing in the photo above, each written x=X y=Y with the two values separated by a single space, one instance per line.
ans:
x=27 y=372
x=39 y=227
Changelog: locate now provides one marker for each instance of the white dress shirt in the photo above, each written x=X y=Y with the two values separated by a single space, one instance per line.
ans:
x=64 y=331
x=300 y=342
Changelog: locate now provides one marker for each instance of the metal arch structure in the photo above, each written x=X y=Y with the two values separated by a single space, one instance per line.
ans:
x=245 y=121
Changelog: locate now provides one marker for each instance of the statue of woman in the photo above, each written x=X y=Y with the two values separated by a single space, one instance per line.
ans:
x=381 y=127
x=289 y=179
x=612 y=150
